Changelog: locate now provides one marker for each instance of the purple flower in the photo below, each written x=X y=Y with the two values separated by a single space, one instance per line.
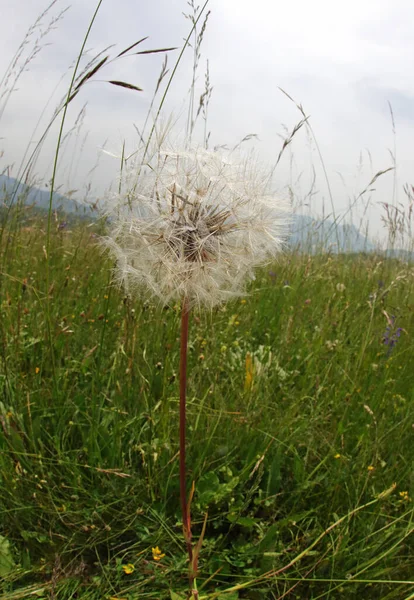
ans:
x=391 y=334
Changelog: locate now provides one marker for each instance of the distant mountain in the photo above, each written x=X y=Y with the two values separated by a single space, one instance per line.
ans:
x=400 y=254
x=311 y=235
x=12 y=191
x=307 y=234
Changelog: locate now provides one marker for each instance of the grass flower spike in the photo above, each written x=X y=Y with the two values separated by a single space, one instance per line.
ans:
x=195 y=225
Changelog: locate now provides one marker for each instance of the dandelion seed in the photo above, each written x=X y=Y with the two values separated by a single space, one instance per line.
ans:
x=195 y=225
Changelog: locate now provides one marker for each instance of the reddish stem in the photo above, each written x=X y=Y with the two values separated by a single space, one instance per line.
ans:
x=185 y=312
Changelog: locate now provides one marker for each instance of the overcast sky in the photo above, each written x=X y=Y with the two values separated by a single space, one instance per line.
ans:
x=344 y=62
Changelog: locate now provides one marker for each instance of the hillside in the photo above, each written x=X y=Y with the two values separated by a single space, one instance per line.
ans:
x=307 y=234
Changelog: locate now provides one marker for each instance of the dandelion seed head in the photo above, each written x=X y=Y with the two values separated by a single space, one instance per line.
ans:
x=194 y=224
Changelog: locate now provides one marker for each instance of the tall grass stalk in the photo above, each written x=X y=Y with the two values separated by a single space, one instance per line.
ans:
x=52 y=189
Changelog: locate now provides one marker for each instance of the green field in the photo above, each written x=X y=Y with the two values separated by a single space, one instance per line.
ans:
x=300 y=393
x=300 y=428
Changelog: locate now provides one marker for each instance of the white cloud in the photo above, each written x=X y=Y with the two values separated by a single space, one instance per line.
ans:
x=343 y=62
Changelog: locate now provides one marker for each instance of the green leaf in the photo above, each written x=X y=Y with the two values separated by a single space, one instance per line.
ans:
x=243 y=521
x=175 y=596
x=35 y=535
x=6 y=558
x=207 y=488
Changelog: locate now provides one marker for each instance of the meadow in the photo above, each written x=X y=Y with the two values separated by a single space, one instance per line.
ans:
x=300 y=428
x=300 y=398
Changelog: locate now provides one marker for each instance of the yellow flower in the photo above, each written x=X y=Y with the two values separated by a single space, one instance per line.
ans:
x=243 y=301
x=404 y=496
x=233 y=320
x=157 y=554
x=37 y=370
x=249 y=376
x=337 y=455
x=128 y=569
x=371 y=468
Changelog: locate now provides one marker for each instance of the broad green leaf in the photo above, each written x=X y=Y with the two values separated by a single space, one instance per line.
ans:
x=6 y=558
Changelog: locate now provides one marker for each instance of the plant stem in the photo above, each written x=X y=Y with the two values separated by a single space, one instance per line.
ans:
x=52 y=189
x=185 y=311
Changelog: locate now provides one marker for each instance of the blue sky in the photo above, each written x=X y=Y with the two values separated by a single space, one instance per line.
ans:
x=344 y=62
